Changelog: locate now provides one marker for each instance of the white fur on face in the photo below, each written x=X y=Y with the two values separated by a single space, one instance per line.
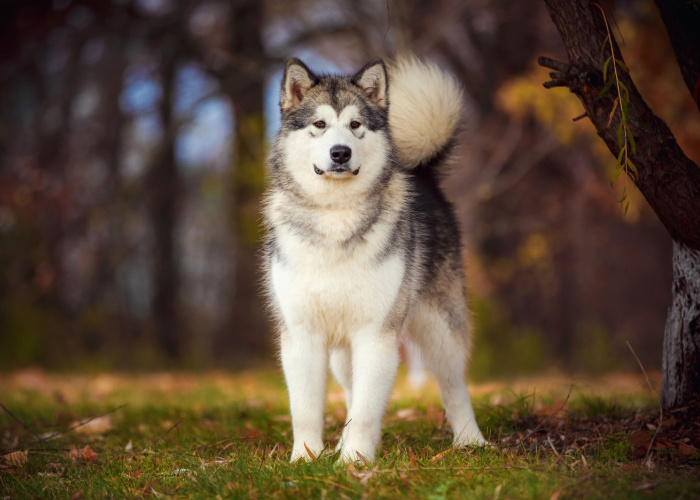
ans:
x=310 y=147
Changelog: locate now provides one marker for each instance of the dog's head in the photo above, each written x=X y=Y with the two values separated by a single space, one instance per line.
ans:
x=335 y=133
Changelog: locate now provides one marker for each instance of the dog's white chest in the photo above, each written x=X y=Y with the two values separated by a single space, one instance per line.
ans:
x=334 y=292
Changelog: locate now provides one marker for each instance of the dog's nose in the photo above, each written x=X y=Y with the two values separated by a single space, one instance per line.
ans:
x=341 y=154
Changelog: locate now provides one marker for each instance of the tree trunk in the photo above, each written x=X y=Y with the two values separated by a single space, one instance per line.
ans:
x=681 y=356
x=667 y=178
x=682 y=20
x=248 y=323
x=164 y=185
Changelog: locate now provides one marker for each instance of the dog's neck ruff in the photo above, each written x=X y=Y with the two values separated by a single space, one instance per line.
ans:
x=343 y=223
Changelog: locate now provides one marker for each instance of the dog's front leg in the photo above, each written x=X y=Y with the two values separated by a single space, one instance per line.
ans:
x=304 y=360
x=375 y=358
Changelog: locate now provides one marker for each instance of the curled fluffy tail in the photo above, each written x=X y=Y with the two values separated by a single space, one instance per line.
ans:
x=425 y=109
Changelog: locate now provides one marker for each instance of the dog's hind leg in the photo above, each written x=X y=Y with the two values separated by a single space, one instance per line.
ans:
x=341 y=366
x=444 y=346
x=305 y=363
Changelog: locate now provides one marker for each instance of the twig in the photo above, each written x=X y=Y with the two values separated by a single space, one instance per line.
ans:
x=651 y=388
x=66 y=431
x=549 y=440
x=82 y=423
x=26 y=427
x=156 y=441
x=530 y=433
x=579 y=117
x=337 y=431
x=482 y=469
x=550 y=63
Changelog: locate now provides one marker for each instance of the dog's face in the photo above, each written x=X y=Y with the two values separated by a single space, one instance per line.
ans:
x=334 y=138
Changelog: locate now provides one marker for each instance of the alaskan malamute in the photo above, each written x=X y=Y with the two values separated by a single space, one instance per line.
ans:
x=362 y=249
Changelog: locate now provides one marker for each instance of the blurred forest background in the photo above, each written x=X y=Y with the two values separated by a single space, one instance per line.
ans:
x=132 y=143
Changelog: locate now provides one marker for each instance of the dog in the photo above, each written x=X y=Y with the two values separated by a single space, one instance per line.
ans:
x=362 y=249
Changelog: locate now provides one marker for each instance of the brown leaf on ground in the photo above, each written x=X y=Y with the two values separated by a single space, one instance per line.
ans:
x=687 y=450
x=412 y=457
x=367 y=475
x=662 y=443
x=9 y=442
x=310 y=453
x=364 y=459
x=556 y=493
x=668 y=421
x=443 y=454
x=408 y=414
x=640 y=440
x=81 y=455
x=556 y=410
x=16 y=458
x=95 y=426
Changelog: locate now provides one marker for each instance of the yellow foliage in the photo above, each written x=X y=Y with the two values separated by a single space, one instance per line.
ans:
x=535 y=252
x=249 y=176
x=524 y=96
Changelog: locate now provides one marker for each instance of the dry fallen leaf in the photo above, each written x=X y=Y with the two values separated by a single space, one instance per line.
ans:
x=9 y=441
x=687 y=450
x=443 y=454
x=497 y=491
x=311 y=454
x=364 y=459
x=557 y=410
x=79 y=455
x=556 y=493
x=368 y=475
x=412 y=458
x=640 y=440
x=408 y=414
x=16 y=458
x=129 y=448
x=99 y=425
x=274 y=449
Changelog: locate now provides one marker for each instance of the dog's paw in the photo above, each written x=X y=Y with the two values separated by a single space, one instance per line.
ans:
x=363 y=454
x=306 y=453
x=471 y=439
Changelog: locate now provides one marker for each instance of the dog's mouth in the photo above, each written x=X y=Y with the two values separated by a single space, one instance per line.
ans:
x=337 y=170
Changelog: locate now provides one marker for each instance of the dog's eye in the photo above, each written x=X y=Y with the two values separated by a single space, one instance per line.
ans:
x=355 y=124
x=320 y=124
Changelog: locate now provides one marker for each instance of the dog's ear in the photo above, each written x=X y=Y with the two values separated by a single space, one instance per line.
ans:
x=297 y=80
x=374 y=81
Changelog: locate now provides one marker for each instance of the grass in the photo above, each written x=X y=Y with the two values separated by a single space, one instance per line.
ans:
x=228 y=436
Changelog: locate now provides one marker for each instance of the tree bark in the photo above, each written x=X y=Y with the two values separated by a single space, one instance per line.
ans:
x=681 y=356
x=165 y=186
x=666 y=177
x=248 y=323
x=682 y=20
